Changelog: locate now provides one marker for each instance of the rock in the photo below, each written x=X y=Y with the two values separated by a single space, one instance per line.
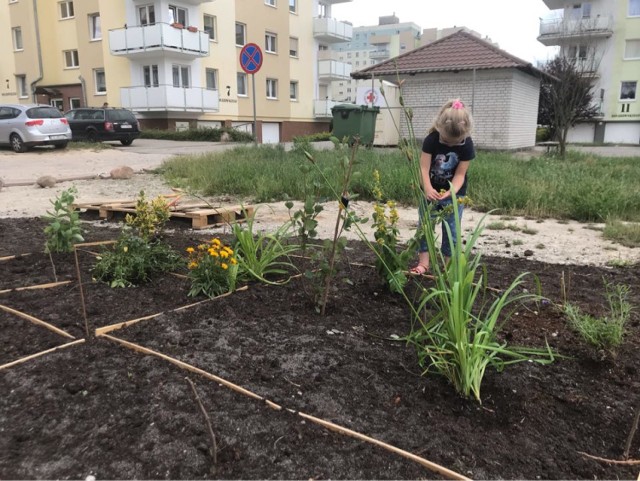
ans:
x=1 y=184
x=225 y=137
x=122 y=172
x=528 y=253
x=46 y=181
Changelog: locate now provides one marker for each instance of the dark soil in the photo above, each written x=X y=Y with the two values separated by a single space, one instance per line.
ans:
x=100 y=408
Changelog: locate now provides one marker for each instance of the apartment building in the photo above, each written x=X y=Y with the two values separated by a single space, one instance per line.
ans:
x=177 y=63
x=604 y=38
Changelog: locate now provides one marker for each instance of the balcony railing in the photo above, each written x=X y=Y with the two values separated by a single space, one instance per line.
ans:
x=380 y=54
x=169 y=98
x=333 y=70
x=330 y=30
x=322 y=108
x=140 y=40
x=562 y=28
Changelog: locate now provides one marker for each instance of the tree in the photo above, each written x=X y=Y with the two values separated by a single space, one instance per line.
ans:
x=566 y=96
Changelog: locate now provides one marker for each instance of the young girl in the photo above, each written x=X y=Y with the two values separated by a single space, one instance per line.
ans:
x=446 y=152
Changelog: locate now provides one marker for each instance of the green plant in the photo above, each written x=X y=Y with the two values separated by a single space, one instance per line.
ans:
x=304 y=219
x=134 y=260
x=603 y=332
x=259 y=254
x=64 y=229
x=213 y=269
x=150 y=216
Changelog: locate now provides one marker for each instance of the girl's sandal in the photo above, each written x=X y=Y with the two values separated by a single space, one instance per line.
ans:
x=419 y=270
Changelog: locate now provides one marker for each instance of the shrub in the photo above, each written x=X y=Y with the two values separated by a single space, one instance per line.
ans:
x=150 y=217
x=203 y=135
x=63 y=230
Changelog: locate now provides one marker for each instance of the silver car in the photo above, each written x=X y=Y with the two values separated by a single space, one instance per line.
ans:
x=24 y=126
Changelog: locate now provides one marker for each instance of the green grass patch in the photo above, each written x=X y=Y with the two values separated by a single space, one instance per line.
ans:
x=627 y=234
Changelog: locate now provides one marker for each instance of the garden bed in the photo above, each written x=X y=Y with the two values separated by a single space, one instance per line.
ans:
x=99 y=407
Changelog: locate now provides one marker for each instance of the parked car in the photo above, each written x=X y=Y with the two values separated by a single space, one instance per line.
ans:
x=24 y=126
x=104 y=123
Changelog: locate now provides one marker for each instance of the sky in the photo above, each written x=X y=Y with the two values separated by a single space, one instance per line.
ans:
x=513 y=24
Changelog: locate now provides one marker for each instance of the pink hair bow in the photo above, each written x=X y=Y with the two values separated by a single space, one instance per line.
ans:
x=457 y=105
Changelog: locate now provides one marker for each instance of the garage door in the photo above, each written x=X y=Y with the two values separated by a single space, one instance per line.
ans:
x=270 y=133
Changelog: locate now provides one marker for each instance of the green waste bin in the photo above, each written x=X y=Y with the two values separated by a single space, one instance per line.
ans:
x=353 y=121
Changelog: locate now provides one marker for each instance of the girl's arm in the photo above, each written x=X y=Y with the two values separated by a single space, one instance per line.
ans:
x=425 y=166
x=458 y=178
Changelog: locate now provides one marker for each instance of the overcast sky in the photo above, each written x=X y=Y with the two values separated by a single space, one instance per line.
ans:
x=513 y=24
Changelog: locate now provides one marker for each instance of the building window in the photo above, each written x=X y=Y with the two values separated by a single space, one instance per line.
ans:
x=95 y=29
x=241 y=34
x=100 y=80
x=242 y=84
x=21 y=84
x=212 y=78
x=147 y=15
x=632 y=49
x=634 y=8
x=57 y=103
x=209 y=22
x=181 y=77
x=293 y=6
x=74 y=103
x=578 y=52
x=628 y=90
x=17 y=38
x=71 y=59
x=272 y=88
x=293 y=47
x=150 y=74
x=66 y=10
x=293 y=90
x=270 y=42
x=178 y=15
x=271 y=3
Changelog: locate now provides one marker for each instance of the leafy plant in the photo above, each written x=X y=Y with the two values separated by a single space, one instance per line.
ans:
x=259 y=254
x=603 y=332
x=64 y=229
x=150 y=217
x=213 y=269
x=134 y=260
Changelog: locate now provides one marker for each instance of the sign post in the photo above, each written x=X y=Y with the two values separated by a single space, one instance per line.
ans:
x=251 y=60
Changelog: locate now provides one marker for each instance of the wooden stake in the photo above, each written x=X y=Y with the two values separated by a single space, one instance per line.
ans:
x=628 y=462
x=8 y=258
x=37 y=321
x=39 y=286
x=632 y=433
x=214 y=445
x=41 y=353
x=88 y=333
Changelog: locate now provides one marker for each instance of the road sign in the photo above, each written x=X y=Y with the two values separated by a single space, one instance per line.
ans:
x=251 y=58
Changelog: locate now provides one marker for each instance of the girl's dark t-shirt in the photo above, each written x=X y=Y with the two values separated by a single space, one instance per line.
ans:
x=445 y=160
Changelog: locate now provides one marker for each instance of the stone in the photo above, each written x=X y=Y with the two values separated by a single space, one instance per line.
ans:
x=122 y=172
x=46 y=181
x=225 y=137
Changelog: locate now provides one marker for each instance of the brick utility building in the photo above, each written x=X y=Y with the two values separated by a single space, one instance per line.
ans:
x=501 y=90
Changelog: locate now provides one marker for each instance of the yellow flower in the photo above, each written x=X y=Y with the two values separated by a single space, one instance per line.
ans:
x=190 y=250
x=224 y=266
x=202 y=247
x=125 y=248
x=193 y=265
x=224 y=254
x=215 y=242
x=233 y=261
x=213 y=253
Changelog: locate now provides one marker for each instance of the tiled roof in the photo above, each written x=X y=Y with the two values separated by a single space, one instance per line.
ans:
x=458 y=51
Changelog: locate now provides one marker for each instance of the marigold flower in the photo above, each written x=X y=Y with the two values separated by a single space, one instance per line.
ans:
x=193 y=265
x=224 y=254
x=224 y=266
x=215 y=241
x=233 y=261
x=190 y=250
x=213 y=253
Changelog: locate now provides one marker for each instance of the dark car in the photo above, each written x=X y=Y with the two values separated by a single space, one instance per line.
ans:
x=99 y=124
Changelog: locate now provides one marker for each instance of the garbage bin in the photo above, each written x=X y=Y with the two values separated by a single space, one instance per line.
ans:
x=353 y=121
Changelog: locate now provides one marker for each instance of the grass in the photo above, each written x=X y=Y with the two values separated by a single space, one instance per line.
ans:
x=79 y=145
x=539 y=187
x=622 y=233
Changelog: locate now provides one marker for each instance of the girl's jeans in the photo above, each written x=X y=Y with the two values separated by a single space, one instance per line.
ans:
x=449 y=220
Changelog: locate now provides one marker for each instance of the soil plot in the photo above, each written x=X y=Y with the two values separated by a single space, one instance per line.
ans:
x=104 y=409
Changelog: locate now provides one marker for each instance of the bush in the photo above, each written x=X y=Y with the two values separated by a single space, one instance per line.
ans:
x=203 y=135
x=63 y=230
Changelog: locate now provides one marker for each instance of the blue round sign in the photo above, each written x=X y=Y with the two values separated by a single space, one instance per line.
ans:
x=251 y=58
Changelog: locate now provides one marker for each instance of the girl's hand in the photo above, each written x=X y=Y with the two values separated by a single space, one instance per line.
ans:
x=433 y=195
x=445 y=194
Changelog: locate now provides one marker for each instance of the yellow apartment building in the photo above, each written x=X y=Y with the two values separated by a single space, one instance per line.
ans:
x=176 y=63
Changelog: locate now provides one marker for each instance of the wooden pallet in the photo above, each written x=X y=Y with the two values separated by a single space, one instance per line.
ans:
x=200 y=214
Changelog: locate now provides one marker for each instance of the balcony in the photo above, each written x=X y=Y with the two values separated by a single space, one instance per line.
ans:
x=557 y=4
x=330 y=30
x=556 y=31
x=332 y=2
x=148 y=40
x=329 y=68
x=322 y=108
x=380 y=54
x=165 y=98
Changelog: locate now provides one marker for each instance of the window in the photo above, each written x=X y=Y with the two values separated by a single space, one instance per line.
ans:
x=180 y=76
x=634 y=8
x=57 y=103
x=209 y=22
x=271 y=3
x=293 y=6
x=101 y=80
x=71 y=59
x=270 y=42
x=74 y=103
x=66 y=10
x=147 y=15
x=150 y=74
x=21 y=84
x=242 y=84
x=178 y=15
x=628 y=90
x=95 y=29
x=632 y=49
x=212 y=78
x=578 y=52
x=293 y=90
x=17 y=38
x=241 y=33
x=293 y=47
x=272 y=88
